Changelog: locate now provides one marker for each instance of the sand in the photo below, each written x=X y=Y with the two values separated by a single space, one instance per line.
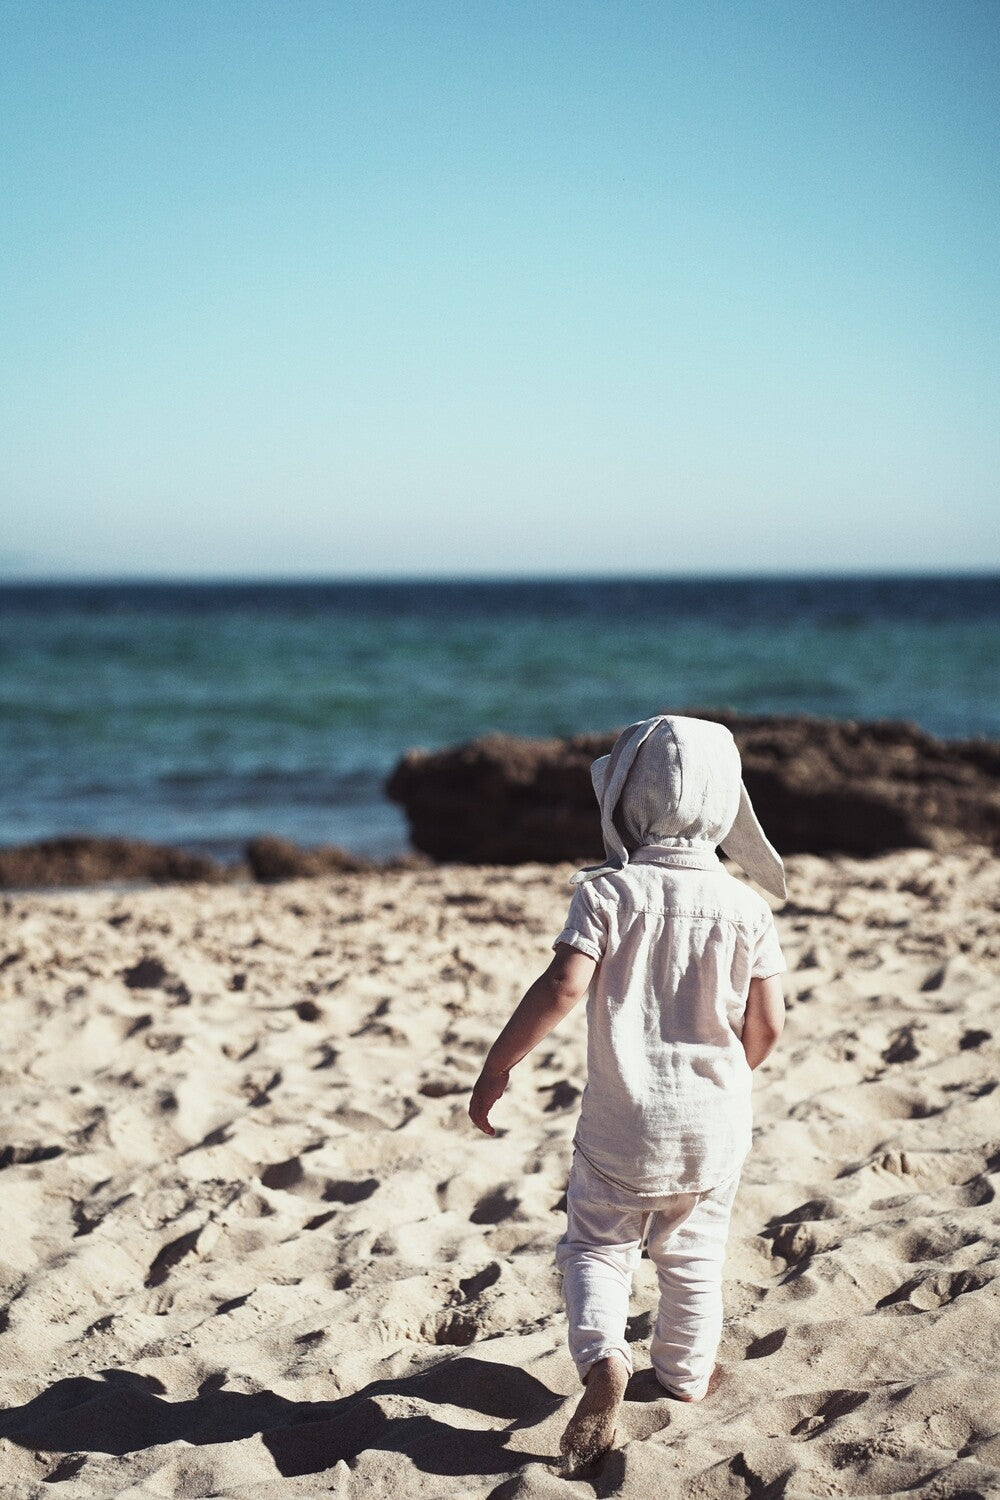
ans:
x=252 y=1246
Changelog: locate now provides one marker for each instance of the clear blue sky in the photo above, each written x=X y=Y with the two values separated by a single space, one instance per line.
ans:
x=504 y=286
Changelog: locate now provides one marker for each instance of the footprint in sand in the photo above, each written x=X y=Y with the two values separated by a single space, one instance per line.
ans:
x=564 y=1095
x=318 y=1220
x=27 y=1154
x=450 y=1327
x=310 y=1339
x=473 y=1286
x=283 y=1175
x=171 y=1255
x=496 y=1206
x=902 y=1048
x=347 y=1192
x=835 y=1405
x=149 y=973
x=974 y=1038
x=68 y=1467
x=766 y=1345
x=926 y=1293
x=442 y=1088
x=934 y=1242
x=259 y=1086
x=231 y=1304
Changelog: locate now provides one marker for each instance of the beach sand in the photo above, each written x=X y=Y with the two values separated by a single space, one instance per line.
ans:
x=252 y=1246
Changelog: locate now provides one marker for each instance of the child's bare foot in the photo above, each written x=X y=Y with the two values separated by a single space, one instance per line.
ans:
x=713 y=1381
x=591 y=1429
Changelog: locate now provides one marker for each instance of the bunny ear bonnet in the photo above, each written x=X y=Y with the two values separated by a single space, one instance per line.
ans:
x=677 y=781
x=748 y=844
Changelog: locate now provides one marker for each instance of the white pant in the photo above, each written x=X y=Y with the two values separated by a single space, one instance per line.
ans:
x=686 y=1238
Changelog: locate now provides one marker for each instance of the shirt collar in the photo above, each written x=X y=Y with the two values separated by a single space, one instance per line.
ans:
x=697 y=855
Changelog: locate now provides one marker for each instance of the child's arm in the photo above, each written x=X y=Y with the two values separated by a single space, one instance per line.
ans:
x=551 y=997
x=764 y=1019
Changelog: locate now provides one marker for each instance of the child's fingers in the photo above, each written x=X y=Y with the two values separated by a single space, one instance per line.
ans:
x=479 y=1111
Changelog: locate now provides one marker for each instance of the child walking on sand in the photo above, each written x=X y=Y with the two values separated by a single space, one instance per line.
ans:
x=679 y=960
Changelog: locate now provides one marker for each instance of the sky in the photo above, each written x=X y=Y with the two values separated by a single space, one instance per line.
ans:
x=407 y=287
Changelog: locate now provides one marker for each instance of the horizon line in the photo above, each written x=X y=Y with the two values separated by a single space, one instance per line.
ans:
x=189 y=580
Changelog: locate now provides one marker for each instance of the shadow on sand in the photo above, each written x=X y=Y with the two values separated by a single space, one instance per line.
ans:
x=123 y=1412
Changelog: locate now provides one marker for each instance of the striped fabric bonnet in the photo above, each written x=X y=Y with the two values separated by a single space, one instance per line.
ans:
x=676 y=782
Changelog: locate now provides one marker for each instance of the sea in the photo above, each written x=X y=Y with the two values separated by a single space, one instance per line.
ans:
x=202 y=714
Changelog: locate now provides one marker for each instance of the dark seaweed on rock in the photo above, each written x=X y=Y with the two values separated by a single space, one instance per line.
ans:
x=83 y=860
x=272 y=859
x=819 y=786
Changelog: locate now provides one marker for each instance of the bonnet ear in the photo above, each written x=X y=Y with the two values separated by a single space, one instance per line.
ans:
x=747 y=843
x=608 y=774
x=599 y=777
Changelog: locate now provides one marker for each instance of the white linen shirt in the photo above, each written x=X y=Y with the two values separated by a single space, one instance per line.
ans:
x=677 y=940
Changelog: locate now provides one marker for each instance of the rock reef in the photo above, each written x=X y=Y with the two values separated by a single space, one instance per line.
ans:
x=81 y=859
x=820 y=786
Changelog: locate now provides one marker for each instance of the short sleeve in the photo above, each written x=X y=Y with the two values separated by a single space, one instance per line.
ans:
x=768 y=958
x=586 y=925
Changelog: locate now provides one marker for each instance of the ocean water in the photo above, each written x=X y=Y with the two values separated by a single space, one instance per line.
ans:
x=202 y=714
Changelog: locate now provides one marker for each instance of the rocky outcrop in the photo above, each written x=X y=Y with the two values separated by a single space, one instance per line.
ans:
x=819 y=786
x=272 y=859
x=502 y=800
x=82 y=860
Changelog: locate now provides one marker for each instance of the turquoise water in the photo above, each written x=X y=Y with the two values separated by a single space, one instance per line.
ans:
x=203 y=714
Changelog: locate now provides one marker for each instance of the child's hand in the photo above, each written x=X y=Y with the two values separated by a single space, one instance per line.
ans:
x=488 y=1089
x=551 y=997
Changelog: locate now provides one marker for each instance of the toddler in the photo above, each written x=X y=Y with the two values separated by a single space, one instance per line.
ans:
x=679 y=960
